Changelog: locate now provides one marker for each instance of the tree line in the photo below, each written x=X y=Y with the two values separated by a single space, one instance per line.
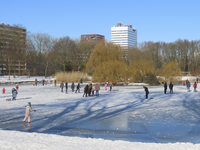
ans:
x=145 y=63
x=42 y=54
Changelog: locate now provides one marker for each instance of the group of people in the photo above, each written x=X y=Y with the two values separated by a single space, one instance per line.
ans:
x=187 y=84
x=62 y=85
x=170 y=87
x=110 y=84
x=14 y=92
x=43 y=82
x=89 y=90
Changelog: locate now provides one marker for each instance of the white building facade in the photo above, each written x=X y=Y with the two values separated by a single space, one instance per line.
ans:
x=124 y=35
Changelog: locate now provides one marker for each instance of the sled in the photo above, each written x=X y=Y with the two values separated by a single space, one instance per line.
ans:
x=8 y=99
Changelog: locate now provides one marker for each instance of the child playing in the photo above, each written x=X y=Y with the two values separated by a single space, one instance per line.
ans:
x=105 y=87
x=17 y=87
x=27 y=114
x=92 y=91
x=4 y=90
x=195 y=86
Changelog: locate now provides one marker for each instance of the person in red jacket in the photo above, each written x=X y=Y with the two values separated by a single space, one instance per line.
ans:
x=4 y=90
x=195 y=86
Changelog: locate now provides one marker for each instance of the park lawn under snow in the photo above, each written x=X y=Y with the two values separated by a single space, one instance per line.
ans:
x=54 y=108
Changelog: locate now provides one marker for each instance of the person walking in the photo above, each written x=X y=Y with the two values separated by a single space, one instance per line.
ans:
x=85 y=91
x=146 y=91
x=111 y=85
x=62 y=86
x=66 y=87
x=97 y=88
x=165 y=87
x=195 y=86
x=78 y=88
x=72 y=86
x=27 y=113
x=171 y=88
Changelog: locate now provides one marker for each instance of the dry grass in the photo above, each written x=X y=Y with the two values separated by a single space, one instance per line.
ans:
x=71 y=76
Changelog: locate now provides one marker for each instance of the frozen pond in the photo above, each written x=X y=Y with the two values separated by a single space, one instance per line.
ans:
x=121 y=114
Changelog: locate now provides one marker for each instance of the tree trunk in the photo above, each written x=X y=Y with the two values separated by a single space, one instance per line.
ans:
x=64 y=67
x=19 y=68
x=46 y=69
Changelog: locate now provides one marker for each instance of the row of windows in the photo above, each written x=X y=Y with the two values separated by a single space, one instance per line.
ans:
x=123 y=39
x=123 y=31
x=123 y=34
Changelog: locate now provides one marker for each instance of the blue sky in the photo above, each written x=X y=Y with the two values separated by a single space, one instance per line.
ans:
x=155 y=20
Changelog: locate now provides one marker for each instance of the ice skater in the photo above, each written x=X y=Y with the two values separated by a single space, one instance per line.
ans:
x=66 y=87
x=17 y=87
x=195 y=86
x=171 y=88
x=105 y=86
x=147 y=92
x=165 y=87
x=188 y=85
x=72 y=86
x=111 y=85
x=14 y=93
x=97 y=88
x=27 y=113
x=85 y=91
x=3 y=90
x=78 y=88
x=62 y=86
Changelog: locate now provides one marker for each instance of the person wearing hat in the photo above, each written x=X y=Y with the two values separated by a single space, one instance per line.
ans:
x=28 y=110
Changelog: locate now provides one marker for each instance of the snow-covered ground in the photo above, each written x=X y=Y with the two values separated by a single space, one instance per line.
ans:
x=120 y=119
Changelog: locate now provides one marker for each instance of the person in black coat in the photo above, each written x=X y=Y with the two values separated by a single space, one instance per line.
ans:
x=78 y=88
x=171 y=88
x=72 y=86
x=165 y=87
x=66 y=86
x=146 y=91
x=85 y=90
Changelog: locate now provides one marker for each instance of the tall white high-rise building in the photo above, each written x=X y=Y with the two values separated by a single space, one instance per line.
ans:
x=124 y=35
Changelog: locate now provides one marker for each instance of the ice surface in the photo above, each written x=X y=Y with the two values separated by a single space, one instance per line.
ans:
x=121 y=114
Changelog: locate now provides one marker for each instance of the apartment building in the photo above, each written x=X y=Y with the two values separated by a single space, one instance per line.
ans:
x=124 y=35
x=95 y=37
x=12 y=45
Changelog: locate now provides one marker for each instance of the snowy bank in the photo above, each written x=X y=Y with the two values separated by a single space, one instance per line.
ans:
x=15 y=140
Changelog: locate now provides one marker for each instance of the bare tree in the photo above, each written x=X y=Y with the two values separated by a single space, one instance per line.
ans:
x=42 y=44
x=63 y=48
